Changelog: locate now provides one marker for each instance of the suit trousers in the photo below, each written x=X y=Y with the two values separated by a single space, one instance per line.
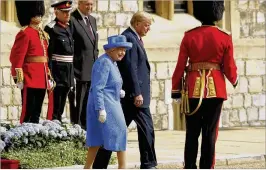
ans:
x=82 y=93
x=205 y=121
x=32 y=100
x=60 y=97
x=146 y=137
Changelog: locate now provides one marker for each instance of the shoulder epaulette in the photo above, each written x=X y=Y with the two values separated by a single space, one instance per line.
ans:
x=23 y=28
x=51 y=24
x=224 y=31
x=192 y=29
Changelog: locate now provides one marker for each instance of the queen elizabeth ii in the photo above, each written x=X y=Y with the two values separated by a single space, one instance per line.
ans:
x=106 y=126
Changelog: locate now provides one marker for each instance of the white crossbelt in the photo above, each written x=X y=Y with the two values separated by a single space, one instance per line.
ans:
x=62 y=58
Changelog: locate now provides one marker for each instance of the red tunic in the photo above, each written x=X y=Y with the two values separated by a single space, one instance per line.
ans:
x=28 y=44
x=206 y=44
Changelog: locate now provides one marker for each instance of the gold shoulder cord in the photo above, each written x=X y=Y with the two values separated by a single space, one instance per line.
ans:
x=19 y=75
x=44 y=36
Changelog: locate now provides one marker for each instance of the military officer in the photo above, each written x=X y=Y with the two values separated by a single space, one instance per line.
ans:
x=29 y=61
x=60 y=51
x=208 y=51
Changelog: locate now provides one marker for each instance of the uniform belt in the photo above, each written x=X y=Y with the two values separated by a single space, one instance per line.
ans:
x=62 y=58
x=203 y=66
x=36 y=59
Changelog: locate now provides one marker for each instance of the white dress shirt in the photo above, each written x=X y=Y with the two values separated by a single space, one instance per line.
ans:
x=135 y=31
x=83 y=16
x=84 y=19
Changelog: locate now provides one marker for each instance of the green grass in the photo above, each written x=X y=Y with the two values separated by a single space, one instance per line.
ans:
x=61 y=154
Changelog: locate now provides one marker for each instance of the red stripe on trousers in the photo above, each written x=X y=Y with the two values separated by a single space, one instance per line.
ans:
x=24 y=105
x=50 y=109
x=217 y=129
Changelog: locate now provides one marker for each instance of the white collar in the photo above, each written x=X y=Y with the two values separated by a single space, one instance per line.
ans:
x=82 y=15
x=133 y=29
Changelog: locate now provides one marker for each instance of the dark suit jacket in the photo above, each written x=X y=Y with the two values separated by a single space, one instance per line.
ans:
x=135 y=70
x=85 y=50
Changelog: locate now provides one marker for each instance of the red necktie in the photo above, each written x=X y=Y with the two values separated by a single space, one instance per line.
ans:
x=89 y=27
x=141 y=41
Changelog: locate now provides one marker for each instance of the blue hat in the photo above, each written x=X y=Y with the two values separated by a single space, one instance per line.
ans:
x=117 y=41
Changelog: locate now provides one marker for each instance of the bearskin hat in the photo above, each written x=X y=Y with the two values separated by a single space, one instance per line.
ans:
x=29 y=9
x=208 y=12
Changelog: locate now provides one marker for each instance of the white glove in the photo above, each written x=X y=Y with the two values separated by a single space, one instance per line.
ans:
x=102 y=116
x=122 y=93
x=20 y=85
x=51 y=83
x=71 y=88
x=177 y=100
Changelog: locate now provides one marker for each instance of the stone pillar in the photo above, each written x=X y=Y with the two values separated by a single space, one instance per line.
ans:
x=10 y=11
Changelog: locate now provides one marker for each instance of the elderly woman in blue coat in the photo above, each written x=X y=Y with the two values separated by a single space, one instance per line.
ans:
x=106 y=126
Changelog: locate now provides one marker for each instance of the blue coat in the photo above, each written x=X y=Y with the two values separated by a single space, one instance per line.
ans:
x=135 y=70
x=104 y=94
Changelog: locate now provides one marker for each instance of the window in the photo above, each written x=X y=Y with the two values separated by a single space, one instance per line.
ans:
x=149 y=6
x=166 y=8
x=180 y=6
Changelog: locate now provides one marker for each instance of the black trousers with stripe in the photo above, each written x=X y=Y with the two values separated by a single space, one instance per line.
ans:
x=60 y=97
x=32 y=101
x=205 y=121
x=72 y=104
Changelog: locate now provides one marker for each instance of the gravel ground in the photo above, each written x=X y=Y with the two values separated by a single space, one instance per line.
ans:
x=245 y=165
x=260 y=164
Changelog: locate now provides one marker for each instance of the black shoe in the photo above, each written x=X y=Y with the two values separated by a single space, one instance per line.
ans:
x=153 y=167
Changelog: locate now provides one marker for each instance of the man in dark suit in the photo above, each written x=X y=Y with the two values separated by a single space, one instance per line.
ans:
x=85 y=53
x=135 y=72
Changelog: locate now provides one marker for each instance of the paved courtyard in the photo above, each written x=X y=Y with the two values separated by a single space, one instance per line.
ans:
x=234 y=147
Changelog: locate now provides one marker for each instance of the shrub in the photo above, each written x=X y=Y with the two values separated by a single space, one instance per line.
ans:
x=60 y=154
x=45 y=145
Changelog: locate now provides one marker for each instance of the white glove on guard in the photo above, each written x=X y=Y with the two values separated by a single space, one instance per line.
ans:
x=51 y=83
x=177 y=100
x=20 y=85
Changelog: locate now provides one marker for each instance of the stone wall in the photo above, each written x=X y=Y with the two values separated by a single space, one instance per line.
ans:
x=252 y=18
x=245 y=105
